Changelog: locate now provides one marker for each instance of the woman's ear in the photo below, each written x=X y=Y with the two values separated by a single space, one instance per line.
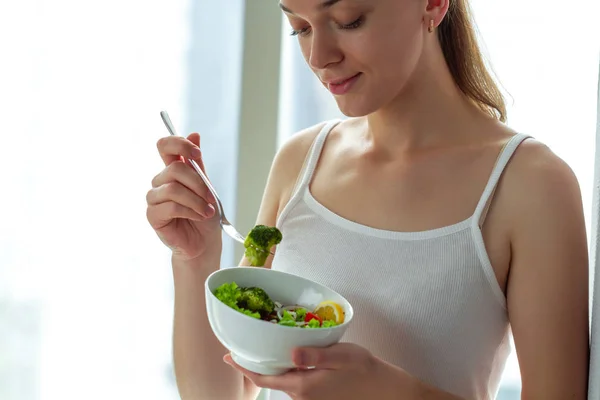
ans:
x=435 y=11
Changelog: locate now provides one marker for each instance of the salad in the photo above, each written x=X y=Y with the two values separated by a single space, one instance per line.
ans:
x=256 y=303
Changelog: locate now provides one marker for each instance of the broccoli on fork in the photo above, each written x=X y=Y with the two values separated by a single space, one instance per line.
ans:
x=258 y=244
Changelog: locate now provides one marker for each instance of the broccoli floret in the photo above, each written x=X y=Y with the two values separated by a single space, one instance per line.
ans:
x=264 y=237
x=256 y=299
x=256 y=257
x=258 y=244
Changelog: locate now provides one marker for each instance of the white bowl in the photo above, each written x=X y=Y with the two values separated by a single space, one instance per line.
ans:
x=260 y=346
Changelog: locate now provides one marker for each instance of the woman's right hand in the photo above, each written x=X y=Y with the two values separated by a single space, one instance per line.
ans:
x=180 y=206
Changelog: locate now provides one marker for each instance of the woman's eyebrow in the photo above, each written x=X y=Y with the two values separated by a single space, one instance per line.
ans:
x=323 y=6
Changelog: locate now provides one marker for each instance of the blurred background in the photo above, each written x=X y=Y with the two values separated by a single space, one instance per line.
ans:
x=85 y=285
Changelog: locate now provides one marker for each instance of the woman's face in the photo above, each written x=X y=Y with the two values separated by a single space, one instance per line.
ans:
x=363 y=51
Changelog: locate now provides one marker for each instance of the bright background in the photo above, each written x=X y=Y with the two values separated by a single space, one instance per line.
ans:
x=85 y=285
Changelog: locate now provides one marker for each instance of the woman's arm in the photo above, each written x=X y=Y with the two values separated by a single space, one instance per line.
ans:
x=547 y=290
x=199 y=368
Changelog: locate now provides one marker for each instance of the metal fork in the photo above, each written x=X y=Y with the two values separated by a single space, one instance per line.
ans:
x=227 y=227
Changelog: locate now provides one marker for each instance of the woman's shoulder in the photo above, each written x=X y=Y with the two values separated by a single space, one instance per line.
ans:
x=292 y=153
x=288 y=162
x=534 y=167
x=537 y=167
x=539 y=182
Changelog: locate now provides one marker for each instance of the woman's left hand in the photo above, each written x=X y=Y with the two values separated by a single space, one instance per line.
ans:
x=342 y=371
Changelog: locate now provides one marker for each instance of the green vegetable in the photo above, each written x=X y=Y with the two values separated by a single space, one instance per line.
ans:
x=253 y=301
x=256 y=299
x=249 y=313
x=300 y=314
x=313 y=323
x=328 y=324
x=230 y=294
x=286 y=322
x=258 y=244
x=287 y=319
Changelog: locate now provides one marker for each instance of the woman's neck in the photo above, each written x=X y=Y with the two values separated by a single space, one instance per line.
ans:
x=431 y=111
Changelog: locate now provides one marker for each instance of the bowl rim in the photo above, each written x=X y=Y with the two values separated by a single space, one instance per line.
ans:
x=343 y=325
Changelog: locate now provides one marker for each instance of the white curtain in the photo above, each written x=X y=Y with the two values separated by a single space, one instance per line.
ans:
x=547 y=62
x=85 y=285
x=594 y=392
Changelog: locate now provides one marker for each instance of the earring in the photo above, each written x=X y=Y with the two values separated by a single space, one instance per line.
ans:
x=430 y=29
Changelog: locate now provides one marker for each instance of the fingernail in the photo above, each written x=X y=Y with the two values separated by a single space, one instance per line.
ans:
x=210 y=211
x=196 y=153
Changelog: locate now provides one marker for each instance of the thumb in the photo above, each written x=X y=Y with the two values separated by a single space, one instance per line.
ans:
x=194 y=138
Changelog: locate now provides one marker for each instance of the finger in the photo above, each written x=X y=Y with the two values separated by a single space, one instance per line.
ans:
x=178 y=193
x=184 y=174
x=289 y=382
x=195 y=138
x=172 y=148
x=334 y=357
x=160 y=215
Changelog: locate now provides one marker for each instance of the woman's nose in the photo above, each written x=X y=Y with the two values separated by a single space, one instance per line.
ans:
x=323 y=51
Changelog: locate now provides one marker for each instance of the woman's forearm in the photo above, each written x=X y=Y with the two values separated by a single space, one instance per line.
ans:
x=199 y=369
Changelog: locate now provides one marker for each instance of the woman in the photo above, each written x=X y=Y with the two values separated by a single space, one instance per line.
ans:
x=441 y=225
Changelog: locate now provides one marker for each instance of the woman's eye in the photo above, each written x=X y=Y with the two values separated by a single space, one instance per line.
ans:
x=299 y=32
x=353 y=25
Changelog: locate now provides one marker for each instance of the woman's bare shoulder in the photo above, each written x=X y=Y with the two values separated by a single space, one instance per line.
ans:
x=541 y=197
x=537 y=172
x=285 y=169
x=291 y=155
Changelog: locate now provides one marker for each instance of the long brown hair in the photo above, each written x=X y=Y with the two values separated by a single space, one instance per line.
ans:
x=458 y=39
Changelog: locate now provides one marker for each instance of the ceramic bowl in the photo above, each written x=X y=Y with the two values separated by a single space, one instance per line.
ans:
x=261 y=346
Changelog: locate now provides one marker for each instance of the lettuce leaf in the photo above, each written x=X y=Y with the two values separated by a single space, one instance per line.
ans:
x=229 y=294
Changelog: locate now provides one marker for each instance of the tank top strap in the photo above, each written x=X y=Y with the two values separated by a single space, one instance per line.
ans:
x=504 y=157
x=312 y=157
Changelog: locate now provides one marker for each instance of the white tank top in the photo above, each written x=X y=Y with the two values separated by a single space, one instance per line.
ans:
x=427 y=301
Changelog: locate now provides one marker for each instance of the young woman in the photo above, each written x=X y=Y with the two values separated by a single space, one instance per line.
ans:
x=443 y=227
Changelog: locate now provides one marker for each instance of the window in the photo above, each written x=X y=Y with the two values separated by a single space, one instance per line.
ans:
x=85 y=285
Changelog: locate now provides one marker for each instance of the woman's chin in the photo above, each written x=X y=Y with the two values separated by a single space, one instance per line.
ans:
x=353 y=108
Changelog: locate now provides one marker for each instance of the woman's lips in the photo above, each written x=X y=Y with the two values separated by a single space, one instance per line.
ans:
x=344 y=86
